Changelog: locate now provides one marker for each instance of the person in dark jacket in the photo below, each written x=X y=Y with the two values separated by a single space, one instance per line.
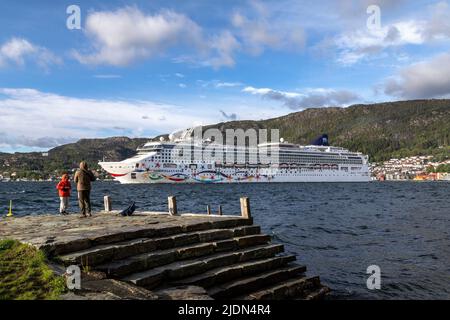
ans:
x=83 y=178
x=64 y=188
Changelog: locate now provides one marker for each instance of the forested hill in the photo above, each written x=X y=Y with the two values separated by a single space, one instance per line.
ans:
x=383 y=131
x=69 y=156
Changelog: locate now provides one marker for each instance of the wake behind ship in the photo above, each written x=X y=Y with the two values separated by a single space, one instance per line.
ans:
x=182 y=160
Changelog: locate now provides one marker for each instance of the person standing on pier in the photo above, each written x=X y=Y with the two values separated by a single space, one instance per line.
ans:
x=64 y=189
x=83 y=178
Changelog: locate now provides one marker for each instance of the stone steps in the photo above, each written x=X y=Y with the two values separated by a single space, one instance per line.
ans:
x=248 y=264
x=249 y=284
x=150 y=231
x=185 y=269
x=240 y=268
x=120 y=250
x=222 y=259
x=293 y=288
x=158 y=258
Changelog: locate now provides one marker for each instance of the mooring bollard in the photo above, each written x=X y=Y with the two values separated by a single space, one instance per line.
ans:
x=208 y=210
x=220 y=210
x=172 y=205
x=245 y=208
x=10 y=214
x=108 y=204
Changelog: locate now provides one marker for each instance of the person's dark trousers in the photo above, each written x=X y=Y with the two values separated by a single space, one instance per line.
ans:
x=84 y=201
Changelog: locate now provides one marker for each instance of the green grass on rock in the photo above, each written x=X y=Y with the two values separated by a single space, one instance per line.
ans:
x=25 y=275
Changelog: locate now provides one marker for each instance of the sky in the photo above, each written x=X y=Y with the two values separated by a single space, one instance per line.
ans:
x=142 y=68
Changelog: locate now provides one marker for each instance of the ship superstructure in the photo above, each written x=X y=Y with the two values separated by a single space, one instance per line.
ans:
x=182 y=160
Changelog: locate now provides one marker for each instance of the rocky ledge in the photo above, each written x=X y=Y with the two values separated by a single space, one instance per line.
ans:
x=159 y=256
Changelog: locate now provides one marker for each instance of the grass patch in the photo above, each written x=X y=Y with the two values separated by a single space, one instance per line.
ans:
x=25 y=275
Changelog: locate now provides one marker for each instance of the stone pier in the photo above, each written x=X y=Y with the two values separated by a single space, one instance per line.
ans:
x=160 y=256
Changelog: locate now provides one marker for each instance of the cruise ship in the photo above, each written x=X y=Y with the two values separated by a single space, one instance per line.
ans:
x=183 y=160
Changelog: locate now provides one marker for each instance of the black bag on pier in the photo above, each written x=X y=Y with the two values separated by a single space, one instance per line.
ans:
x=129 y=211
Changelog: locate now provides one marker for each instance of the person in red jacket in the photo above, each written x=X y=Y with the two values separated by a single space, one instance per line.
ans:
x=64 y=188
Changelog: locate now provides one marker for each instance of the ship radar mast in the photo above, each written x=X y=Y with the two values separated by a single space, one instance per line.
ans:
x=182 y=135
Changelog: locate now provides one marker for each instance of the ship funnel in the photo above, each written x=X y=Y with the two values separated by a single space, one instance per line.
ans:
x=321 y=141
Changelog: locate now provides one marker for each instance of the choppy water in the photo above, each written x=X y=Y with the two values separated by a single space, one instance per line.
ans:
x=336 y=230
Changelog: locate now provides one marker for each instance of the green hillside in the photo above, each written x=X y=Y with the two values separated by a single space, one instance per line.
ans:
x=382 y=131
x=69 y=156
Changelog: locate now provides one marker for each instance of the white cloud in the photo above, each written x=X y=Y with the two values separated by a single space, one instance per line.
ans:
x=126 y=35
x=224 y=46
x=228 y=84
x=350 y=9
x=218 y=84
x=357 y=45
x=426 y=79
x=182 y=85
x=15 y=50
x=311 y=98
x=438 y=26
x=263 y=30
x=268 y=91
x=18 y=50
x=38 y=119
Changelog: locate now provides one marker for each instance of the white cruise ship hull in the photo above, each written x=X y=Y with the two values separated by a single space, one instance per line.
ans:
x=242 y=176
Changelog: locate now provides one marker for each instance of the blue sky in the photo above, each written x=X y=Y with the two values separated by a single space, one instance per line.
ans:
x=148 y=67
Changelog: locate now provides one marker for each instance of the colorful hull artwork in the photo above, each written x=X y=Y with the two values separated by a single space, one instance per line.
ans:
x=205 y=177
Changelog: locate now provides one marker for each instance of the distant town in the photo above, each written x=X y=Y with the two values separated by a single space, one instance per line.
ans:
x=40 y=176
x=416 y=168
